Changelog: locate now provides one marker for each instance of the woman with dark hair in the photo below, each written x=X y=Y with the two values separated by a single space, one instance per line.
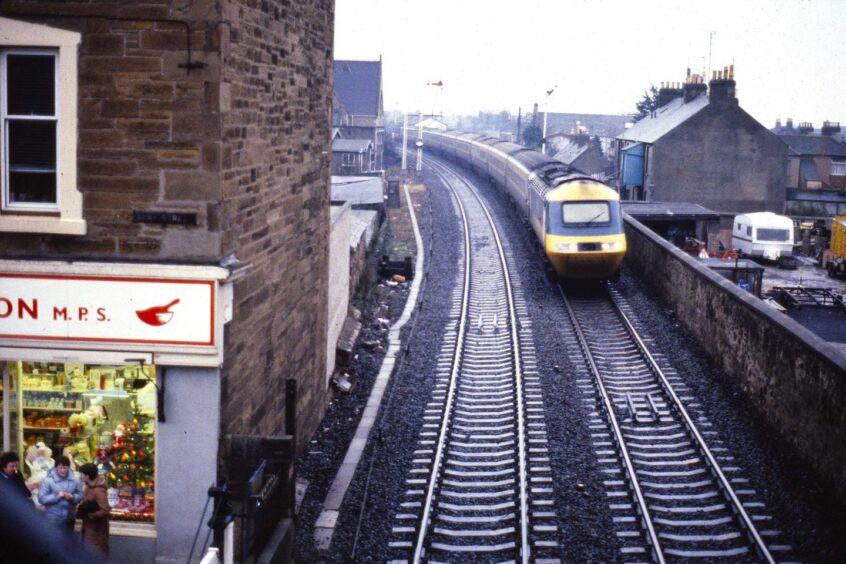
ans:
x=94 y=511
x=10 y=471
x=60 y=493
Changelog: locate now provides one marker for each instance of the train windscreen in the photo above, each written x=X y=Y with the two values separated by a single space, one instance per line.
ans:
x=585 y=213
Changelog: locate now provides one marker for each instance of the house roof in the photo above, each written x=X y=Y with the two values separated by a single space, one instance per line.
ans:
x=665 y=119
x=814 y=145
x=351 y=145
x=602 y=125
x=357 y=189
x=358 y=86
x=569 y=148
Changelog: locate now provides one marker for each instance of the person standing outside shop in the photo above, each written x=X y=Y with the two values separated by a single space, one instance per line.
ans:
x=60 y=493
x=94 y=510
x=10 y=471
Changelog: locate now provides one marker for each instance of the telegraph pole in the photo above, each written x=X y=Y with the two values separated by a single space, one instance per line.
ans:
x=419 y=143
x=404 y=142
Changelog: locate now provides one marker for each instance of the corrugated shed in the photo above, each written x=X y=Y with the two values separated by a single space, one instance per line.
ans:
x=668 y=210
x=666 y=119
x=363 y=225
x=357 y=189
x=357 y=86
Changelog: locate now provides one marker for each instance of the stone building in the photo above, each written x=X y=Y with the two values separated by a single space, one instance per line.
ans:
x=702 y=147
x=164 y=237
x=357 y=109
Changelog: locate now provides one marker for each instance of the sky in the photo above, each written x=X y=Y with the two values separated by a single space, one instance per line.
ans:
x=598 y=56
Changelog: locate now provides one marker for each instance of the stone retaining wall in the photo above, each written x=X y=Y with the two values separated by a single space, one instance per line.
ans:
x=794 y=379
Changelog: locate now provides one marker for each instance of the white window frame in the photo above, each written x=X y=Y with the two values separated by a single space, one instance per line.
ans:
x=65 y=216
x=840 y=167
x=6 y=118
x=348 y=159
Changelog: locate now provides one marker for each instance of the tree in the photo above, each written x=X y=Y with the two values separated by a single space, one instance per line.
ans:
x=532 y=136
x=647 y=103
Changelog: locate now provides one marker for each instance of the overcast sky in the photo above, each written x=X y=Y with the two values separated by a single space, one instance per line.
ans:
x=789 y=55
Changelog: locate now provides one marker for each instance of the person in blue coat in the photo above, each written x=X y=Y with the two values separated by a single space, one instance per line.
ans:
x=60 y=493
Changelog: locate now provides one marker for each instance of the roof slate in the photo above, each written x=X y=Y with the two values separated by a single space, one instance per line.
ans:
x=666 y=119
x=814 y=145
x=350 y=145
x=357 y=85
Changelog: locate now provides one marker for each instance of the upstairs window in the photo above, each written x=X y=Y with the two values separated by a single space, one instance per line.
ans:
x=38 y=129
x=838 y=168
x=30 y=127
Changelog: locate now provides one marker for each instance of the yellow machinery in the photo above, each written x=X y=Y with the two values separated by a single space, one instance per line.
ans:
x=837 y=266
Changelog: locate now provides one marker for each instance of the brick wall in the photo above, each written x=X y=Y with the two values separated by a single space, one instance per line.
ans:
x=277 y=93
x=243 y=142
x=148 y=133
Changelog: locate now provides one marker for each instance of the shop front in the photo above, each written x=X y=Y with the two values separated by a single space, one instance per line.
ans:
x=119 y=365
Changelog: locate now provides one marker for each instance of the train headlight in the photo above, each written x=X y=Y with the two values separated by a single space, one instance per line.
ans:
x=566 y=247
x=612 y=246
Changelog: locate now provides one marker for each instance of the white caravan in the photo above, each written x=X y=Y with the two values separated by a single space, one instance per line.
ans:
x=763 y=234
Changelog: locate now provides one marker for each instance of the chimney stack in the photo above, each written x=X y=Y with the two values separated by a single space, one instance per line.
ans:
x=806 y=127
x=789 y=125
x=669 y=91
x=722 y=87
x=778 y=125
x=829 y=128
x=693 y=86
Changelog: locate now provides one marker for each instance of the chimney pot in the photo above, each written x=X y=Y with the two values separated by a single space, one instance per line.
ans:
x=830 y=127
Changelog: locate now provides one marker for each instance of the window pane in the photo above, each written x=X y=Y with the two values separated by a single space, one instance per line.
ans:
x=32 y=187
x=780 y=235
x=32 y=145
x=104 y=415
x=31 y=86
x=586 y=212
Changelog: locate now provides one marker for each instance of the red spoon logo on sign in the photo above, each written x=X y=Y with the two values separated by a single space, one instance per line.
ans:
x=157 y=315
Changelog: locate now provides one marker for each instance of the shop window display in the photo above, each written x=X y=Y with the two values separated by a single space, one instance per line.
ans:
x=91 y=413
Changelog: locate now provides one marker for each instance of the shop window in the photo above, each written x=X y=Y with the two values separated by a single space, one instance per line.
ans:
x=38 y=130
x=90 y=413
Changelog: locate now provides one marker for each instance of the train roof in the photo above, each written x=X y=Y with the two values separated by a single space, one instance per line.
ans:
x=550 y=170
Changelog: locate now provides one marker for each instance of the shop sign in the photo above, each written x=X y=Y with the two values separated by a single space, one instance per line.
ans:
x=152 y=312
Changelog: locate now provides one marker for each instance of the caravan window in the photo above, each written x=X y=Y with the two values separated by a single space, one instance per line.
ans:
x=749 y=230
x=778 y=235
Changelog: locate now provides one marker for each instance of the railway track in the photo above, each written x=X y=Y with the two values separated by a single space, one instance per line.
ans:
x=480 y=486
x=671 y=495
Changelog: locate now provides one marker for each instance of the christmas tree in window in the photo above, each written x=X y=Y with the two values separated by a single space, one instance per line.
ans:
x=131 y=456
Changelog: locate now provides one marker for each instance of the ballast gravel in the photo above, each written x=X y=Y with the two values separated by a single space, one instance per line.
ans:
x=801 y=509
